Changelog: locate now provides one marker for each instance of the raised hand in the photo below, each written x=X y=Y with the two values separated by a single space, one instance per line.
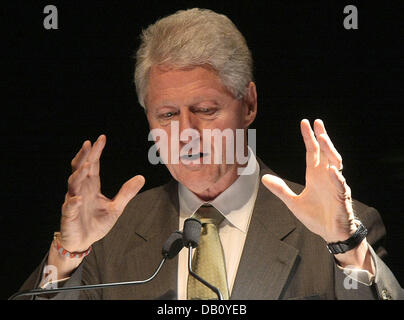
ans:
x=325 y=205
x=87 y=215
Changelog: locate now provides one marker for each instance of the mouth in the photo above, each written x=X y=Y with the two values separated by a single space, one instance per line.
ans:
x=191 y=157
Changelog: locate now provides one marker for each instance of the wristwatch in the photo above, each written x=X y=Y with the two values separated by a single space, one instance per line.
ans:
x=351 y=243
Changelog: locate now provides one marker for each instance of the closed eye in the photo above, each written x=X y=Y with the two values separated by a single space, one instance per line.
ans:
x=206 y=111
x=167 y=115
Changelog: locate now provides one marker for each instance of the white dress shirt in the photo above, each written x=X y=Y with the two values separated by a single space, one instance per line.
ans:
x=236 y=204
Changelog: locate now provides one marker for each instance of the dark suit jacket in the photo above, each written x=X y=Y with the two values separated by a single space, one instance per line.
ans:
x=281 y=259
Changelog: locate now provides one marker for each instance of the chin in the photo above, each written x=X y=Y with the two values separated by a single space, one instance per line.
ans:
x=195 y=179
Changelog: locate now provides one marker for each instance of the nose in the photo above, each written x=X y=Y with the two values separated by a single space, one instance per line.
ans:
x=187 y=121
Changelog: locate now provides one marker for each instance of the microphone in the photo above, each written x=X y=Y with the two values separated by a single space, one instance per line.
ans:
x=171 y=248
x=191 y=237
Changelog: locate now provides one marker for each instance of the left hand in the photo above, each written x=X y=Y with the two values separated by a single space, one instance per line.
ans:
x=325 y=204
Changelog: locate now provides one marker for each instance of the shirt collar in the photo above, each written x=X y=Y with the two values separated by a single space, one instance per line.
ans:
x=235 y=203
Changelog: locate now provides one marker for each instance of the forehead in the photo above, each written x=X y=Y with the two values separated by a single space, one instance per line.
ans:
x=169 y=85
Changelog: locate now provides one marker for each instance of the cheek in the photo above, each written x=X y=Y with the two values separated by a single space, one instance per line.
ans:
x=228 y=129
x=233 y=118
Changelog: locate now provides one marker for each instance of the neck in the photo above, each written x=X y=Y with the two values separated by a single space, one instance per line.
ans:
x=224 y=181
x=221 y=185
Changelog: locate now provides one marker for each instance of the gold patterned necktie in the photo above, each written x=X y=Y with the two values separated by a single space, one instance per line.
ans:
x=208 y=260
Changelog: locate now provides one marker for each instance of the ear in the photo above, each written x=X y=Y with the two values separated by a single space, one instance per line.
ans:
x=250 y=104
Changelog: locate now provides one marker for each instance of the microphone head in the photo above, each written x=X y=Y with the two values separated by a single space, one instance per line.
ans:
x=192 y=232
x=173 y=245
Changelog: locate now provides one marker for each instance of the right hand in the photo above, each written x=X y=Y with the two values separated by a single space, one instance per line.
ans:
x=87 y=215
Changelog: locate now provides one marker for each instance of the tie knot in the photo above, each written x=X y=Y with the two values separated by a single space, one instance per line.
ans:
x=209 y=214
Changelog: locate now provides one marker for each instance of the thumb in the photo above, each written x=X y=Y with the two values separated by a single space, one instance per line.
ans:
x=128 y=190
x=279 y=188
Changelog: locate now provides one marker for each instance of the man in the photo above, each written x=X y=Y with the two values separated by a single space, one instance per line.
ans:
x=194 y=71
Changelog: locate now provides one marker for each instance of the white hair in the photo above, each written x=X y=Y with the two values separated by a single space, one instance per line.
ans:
x=195 y=37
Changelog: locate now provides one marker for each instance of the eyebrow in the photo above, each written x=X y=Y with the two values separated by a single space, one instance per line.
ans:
x=198 y=101
x=213 y=101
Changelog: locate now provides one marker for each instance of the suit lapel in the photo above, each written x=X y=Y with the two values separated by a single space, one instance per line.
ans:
x=144 y=252
x=266 y=262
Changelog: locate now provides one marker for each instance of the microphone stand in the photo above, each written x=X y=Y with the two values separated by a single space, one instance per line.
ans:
x=35 y=292
x=214 y=289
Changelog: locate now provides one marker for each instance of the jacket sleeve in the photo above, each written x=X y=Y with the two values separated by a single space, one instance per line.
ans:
x=385 y=286
x=86 y=273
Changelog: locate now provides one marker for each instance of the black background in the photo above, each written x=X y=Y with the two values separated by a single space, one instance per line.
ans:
x=61 y=87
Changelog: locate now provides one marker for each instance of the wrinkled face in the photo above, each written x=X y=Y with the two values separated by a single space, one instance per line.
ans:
x=196 y=99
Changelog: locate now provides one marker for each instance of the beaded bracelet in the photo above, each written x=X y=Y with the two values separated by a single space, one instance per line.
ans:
x=64 y=253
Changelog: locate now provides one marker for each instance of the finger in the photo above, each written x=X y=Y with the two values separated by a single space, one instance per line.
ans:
x=128 y=190
x=95 y=154
x=279 y=188
x=312 y=147
x=343 y=194
x=319 y=129
x=76 y=178
x=329 y=152
x=81 y=156
x=338 y=180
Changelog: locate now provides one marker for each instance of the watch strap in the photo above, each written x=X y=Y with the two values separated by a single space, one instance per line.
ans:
x=351 y=243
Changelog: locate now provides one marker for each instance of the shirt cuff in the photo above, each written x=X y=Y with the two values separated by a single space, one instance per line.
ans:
x=52 y=284
x=48 y=281
x=360 y=275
